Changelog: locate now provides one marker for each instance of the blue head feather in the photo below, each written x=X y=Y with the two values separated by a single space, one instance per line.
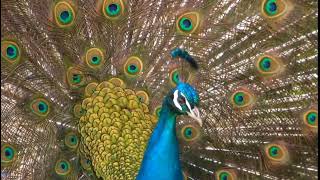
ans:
x=177 y=52
x=161 y=158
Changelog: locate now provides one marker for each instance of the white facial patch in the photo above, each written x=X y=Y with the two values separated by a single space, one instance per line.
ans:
x=175 y=99
x=193 y=113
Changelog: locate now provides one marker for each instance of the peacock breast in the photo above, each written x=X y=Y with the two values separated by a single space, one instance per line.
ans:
x=115 y=128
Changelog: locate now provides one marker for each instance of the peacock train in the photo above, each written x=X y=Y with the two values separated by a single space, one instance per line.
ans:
x=159 y=89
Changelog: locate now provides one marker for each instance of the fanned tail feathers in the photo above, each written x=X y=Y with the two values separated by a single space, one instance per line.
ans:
x=254 y=64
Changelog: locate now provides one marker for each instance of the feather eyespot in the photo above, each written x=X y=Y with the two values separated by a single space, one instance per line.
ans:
x=62 y=167
x=268 y=65
x=64 y=14
x=8 y=153
x=277 y=153
x=311 y=118
x=226 y=174
x=265 y=64
x=40 y=107
x=188 y=23
x=71 y=140
x=75 y=78
x=242 y=98
x=94 y=58
x=133 y=67
x=10 y=51
x=185 y=24
x=274 y=8
x=274 y=152
x=113 y=9
x=176 y=76
x=239 y=98
x=190 y=132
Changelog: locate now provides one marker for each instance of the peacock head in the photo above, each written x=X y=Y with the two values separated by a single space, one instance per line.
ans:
x=184 y=99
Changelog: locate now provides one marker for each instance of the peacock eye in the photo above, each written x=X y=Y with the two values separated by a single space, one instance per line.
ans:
x=242 y=98
x=10 y=51
x=188 y=23
x=226 y=174
x=113 y=9
x=190 y=133
x=133 y=67
x=274 y=8
x=64 y=14
x=185 y=24
x=311 y=118
x=94 y=58
x=181 y=100
x=276 y=153
x=62 y=167
x=8 y=153
x=40 y=107
x=75 y=78
x=268 y=65
x=71 y=140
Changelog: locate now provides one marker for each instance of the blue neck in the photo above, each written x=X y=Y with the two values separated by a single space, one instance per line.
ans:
x=161 y=158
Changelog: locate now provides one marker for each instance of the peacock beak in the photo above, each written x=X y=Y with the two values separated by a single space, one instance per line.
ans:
x=195 y=114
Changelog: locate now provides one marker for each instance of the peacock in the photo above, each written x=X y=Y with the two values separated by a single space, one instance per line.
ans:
x=159 y=89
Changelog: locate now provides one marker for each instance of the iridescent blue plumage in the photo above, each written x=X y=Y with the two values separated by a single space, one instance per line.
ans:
x=177 y=52
x=161 y=159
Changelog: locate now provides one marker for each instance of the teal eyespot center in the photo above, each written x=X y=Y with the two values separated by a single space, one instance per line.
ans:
x=95 y=60
x=312 y=118
x=73 y=139
x=265 y=64
x=12 y=52
x=65 y=17
x=64 y=165
x=175 y=77
x=113 y=9
x=185 y=24
x=224 y=176
x=271 y=8
x=239 y=98
x=43 y=107
x=76 y=78
x=188 y=132
x=132 y=69
x=274 y=151
x=9 y=153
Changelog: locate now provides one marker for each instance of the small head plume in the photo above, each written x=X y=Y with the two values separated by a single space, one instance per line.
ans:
x=177 y=52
